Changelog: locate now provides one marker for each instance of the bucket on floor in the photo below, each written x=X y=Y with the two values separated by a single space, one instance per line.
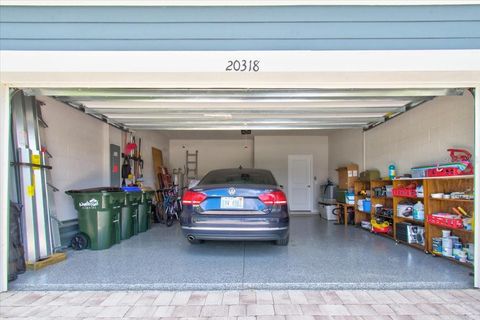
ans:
x=455 y=239
x=446 y=233
x=457 y=248
x=447 y=251
x=462 y=256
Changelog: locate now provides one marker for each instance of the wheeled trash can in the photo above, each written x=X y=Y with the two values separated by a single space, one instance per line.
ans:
x=145 y=210
x=133 y=196
x=98 y=217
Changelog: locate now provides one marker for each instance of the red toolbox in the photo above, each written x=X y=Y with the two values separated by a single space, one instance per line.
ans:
x=455 y=223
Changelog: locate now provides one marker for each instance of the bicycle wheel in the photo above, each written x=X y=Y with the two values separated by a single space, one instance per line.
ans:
x=159 y=214
x=166 y=213
x=170 y=219
x=178 y=206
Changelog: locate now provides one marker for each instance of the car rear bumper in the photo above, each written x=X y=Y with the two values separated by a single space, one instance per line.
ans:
x=236 y=233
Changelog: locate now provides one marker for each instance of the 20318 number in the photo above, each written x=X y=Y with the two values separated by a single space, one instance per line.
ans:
x=243 y=65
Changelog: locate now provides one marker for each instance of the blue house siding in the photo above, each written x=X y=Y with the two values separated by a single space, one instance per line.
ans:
x=240 y=28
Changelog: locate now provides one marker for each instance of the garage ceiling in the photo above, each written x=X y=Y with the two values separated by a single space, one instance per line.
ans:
x=237 y=109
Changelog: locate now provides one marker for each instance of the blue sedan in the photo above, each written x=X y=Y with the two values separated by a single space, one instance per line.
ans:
x=236 y=204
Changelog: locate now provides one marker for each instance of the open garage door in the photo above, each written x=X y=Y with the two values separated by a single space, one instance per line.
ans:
x=244 y=109
x=210 y=112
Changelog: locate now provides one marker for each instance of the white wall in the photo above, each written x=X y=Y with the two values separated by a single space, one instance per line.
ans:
x=80 y=146
x=423 y=135
x=271 y=152
x=149 y=139
x=418 y=137
x=77 y=144
x=344 y=147
x=212 y=154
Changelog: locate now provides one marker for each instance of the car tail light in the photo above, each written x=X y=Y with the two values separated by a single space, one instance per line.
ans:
x=274 y=197
x=193 y=197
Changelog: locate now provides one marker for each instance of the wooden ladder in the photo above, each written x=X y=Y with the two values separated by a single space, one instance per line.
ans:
x=191 y=165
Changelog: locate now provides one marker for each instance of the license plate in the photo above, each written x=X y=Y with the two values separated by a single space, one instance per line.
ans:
x=231 y=203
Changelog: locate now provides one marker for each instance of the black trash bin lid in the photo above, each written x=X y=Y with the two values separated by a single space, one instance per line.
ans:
x=95 y=190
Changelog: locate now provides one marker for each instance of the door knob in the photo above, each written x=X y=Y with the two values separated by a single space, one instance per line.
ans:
x=308 y=186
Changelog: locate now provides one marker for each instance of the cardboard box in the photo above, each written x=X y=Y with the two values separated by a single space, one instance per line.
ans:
x=347 y=176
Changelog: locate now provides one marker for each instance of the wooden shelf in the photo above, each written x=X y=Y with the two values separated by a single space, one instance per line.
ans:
x=364 y=212
x=450 y=228
x=467 y=264
x=437 y=178
x=385 y=235
x=382 y=215
x=413 y=245
x=431 y=205
x=414 y=221
x=452 y=200
x=434 y=205
x=413 y=198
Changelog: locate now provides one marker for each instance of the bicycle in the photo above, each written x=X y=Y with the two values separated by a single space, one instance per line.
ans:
x=169 y=210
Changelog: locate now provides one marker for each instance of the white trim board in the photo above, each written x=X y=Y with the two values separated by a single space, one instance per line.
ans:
x=278 y=69
x=117 y=3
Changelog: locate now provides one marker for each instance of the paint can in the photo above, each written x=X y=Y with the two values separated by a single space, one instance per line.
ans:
x=462 y=256
x=447 y=251
x=457 y=249
x=455 y=239
x=437 y=245
x=447 y=242
x=446 y=233
x=470 y=251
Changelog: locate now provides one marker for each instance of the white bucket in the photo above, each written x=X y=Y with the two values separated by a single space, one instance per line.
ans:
x=447 y=251
x=462 y=256
x=447 y=243
x=446 y=233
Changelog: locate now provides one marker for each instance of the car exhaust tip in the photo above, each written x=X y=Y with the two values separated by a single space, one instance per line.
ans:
x=190 y=237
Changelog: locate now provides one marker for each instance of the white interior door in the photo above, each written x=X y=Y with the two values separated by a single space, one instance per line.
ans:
x=300 y=192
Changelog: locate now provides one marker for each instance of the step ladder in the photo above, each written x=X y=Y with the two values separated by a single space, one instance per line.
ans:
x=31 y=168
x=191 y=165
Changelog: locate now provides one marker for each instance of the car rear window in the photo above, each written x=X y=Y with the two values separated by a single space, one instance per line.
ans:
x=238 y=177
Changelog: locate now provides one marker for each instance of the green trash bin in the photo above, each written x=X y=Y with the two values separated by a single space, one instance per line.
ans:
x=133 y=196
x=144 y=210
x=97 y=218
x=117 y=200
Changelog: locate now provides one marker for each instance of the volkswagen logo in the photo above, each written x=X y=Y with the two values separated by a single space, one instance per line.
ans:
x=231 y=191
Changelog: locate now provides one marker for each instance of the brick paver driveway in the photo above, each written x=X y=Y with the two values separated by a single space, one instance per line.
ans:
x=387 y=304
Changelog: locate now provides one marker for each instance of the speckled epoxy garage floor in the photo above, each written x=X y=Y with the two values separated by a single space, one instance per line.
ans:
x=321 y=255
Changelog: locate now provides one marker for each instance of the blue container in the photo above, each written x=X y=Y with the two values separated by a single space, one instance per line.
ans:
x=367 y=205
x=131 y=189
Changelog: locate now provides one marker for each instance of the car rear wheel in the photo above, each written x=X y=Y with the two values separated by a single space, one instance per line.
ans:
x=194 y=241
x=282 y=242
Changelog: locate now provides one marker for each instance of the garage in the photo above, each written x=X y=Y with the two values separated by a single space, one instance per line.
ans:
x=303 y=115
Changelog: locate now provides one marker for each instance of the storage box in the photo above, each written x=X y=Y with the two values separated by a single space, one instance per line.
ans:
x=405 y=211
x=416 y=234
x=367 y=205
x=402 y=231
x=404 y=192
x=445 y=220
x=341 y=195
x=369 y=175
x=389 y=191
x=347 y=176
x=419 y=172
